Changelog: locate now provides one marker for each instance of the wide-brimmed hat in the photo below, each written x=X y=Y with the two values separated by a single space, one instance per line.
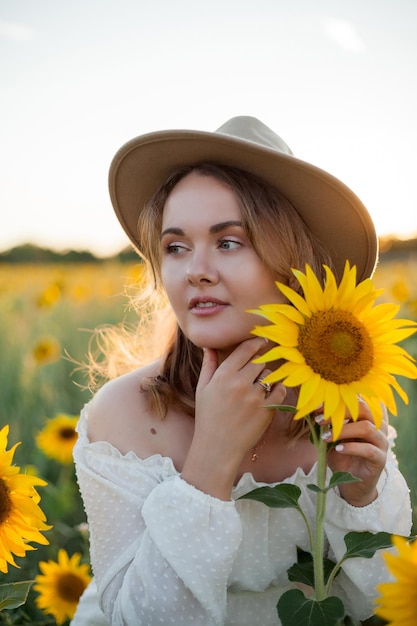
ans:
x=334 y=214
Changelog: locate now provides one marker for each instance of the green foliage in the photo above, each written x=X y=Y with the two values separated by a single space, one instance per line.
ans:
x=294 y=609
x=13 y=595
x=29 y=254
x=338 y=478
x=303 y=570
x=365 y=544
x=279 y=497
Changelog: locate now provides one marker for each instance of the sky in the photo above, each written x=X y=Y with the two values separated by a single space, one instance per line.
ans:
x=336 y=79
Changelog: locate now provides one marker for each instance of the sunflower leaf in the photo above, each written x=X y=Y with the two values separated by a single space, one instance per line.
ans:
x=294 y=609
x=281 y=407
x=341 y=478
x=13 y=595
x=338 y=478
x=303 y=570
x=365 y=544
x=282 y=496
x=316 y=488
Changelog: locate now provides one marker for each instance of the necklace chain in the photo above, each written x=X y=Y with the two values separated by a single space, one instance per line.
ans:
x=258 y=446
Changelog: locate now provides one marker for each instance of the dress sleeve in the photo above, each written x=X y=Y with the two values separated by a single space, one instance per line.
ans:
x=161 y=550
x=390 y=512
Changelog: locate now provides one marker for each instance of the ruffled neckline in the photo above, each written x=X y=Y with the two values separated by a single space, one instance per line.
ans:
x=246 y=483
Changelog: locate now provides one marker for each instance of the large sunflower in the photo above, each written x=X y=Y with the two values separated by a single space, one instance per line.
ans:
x=21 y=518
x=337 y=345
x=398 y=604
x=58 y=437
x=61 y=585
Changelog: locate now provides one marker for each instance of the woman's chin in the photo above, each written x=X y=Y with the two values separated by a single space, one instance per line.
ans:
x=223 y=348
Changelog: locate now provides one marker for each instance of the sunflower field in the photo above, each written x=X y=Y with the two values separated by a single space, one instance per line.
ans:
x=47 y=314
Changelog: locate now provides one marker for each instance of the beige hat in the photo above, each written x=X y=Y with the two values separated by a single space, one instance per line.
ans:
x=331 y=210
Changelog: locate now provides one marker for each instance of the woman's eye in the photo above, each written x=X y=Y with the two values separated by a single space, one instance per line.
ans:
x=229 y=244
x=174 y=248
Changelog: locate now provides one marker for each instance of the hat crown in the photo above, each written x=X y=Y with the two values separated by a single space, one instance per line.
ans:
x=332 y=212
x=251 y=129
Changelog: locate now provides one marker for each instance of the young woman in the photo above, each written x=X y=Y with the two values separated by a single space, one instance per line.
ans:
x=166 y=449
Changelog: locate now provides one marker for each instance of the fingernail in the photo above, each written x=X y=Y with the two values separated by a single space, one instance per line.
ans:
x=326 y=435
x=339 y=447
x=319 y=419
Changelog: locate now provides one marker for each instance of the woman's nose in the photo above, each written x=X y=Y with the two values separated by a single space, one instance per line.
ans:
x=201 y=271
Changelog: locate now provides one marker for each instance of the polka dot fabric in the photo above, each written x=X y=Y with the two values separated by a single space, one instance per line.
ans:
x=164 y=552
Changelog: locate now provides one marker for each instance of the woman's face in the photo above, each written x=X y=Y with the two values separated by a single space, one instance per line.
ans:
x=210 y=271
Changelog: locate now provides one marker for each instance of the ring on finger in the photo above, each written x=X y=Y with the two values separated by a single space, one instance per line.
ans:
x=267 y=387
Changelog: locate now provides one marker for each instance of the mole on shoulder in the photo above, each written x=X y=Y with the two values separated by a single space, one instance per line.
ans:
x=153 y=431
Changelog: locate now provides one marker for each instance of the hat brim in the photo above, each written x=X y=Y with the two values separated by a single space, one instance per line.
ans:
x=330 y=209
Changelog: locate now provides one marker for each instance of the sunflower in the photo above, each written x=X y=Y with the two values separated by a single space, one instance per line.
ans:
x=58 y=437
x=398 y=604
x=46 y=350
x=60 y=585
x=337 y=345
x=21 y=518
x=49 y=296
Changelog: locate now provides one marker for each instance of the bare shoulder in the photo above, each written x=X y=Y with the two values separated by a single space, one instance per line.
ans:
x=119 y=412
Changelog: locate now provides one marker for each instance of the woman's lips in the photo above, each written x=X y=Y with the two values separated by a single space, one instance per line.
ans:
x=206 y=306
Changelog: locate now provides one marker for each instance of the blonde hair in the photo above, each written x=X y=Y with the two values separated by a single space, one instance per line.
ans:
x=278 y=235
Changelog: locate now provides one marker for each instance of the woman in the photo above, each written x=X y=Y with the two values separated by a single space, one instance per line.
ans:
x=166 y=449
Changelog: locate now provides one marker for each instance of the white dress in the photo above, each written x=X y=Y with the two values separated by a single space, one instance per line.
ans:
x=164 y=552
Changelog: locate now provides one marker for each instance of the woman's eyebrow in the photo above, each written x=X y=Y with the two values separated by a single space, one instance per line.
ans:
x=216 y=228
x=172 y=231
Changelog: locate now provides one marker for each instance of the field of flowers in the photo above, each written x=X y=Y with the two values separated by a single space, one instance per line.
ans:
x=47 y=313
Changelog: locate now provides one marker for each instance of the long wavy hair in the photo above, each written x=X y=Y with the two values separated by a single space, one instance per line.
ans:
x=278 y=235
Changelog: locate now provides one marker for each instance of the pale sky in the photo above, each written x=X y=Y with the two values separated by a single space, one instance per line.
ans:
x=337 y=79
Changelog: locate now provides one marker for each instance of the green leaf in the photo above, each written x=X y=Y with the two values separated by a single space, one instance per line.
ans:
x=281 y=407
x=303 y=570
x=338 y=478
x=279 y=497
x=316 y=488
x=287 y=407
x=13 y=595
x=294 y=609
x=365 y=544
x=341 y=478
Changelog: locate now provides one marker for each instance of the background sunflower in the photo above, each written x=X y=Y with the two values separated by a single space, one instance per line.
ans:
x=61 y=584
x=58 y=437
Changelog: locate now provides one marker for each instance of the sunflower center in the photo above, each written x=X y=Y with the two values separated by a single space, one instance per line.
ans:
x=70 y=587
x=337 y=346
x=67 y=433
x=5 y=502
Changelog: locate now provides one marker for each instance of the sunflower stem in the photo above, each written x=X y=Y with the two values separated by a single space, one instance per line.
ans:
x=318 y=549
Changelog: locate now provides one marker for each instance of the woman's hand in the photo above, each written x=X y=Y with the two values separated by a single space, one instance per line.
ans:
x=361 y=450
x=231 y=416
